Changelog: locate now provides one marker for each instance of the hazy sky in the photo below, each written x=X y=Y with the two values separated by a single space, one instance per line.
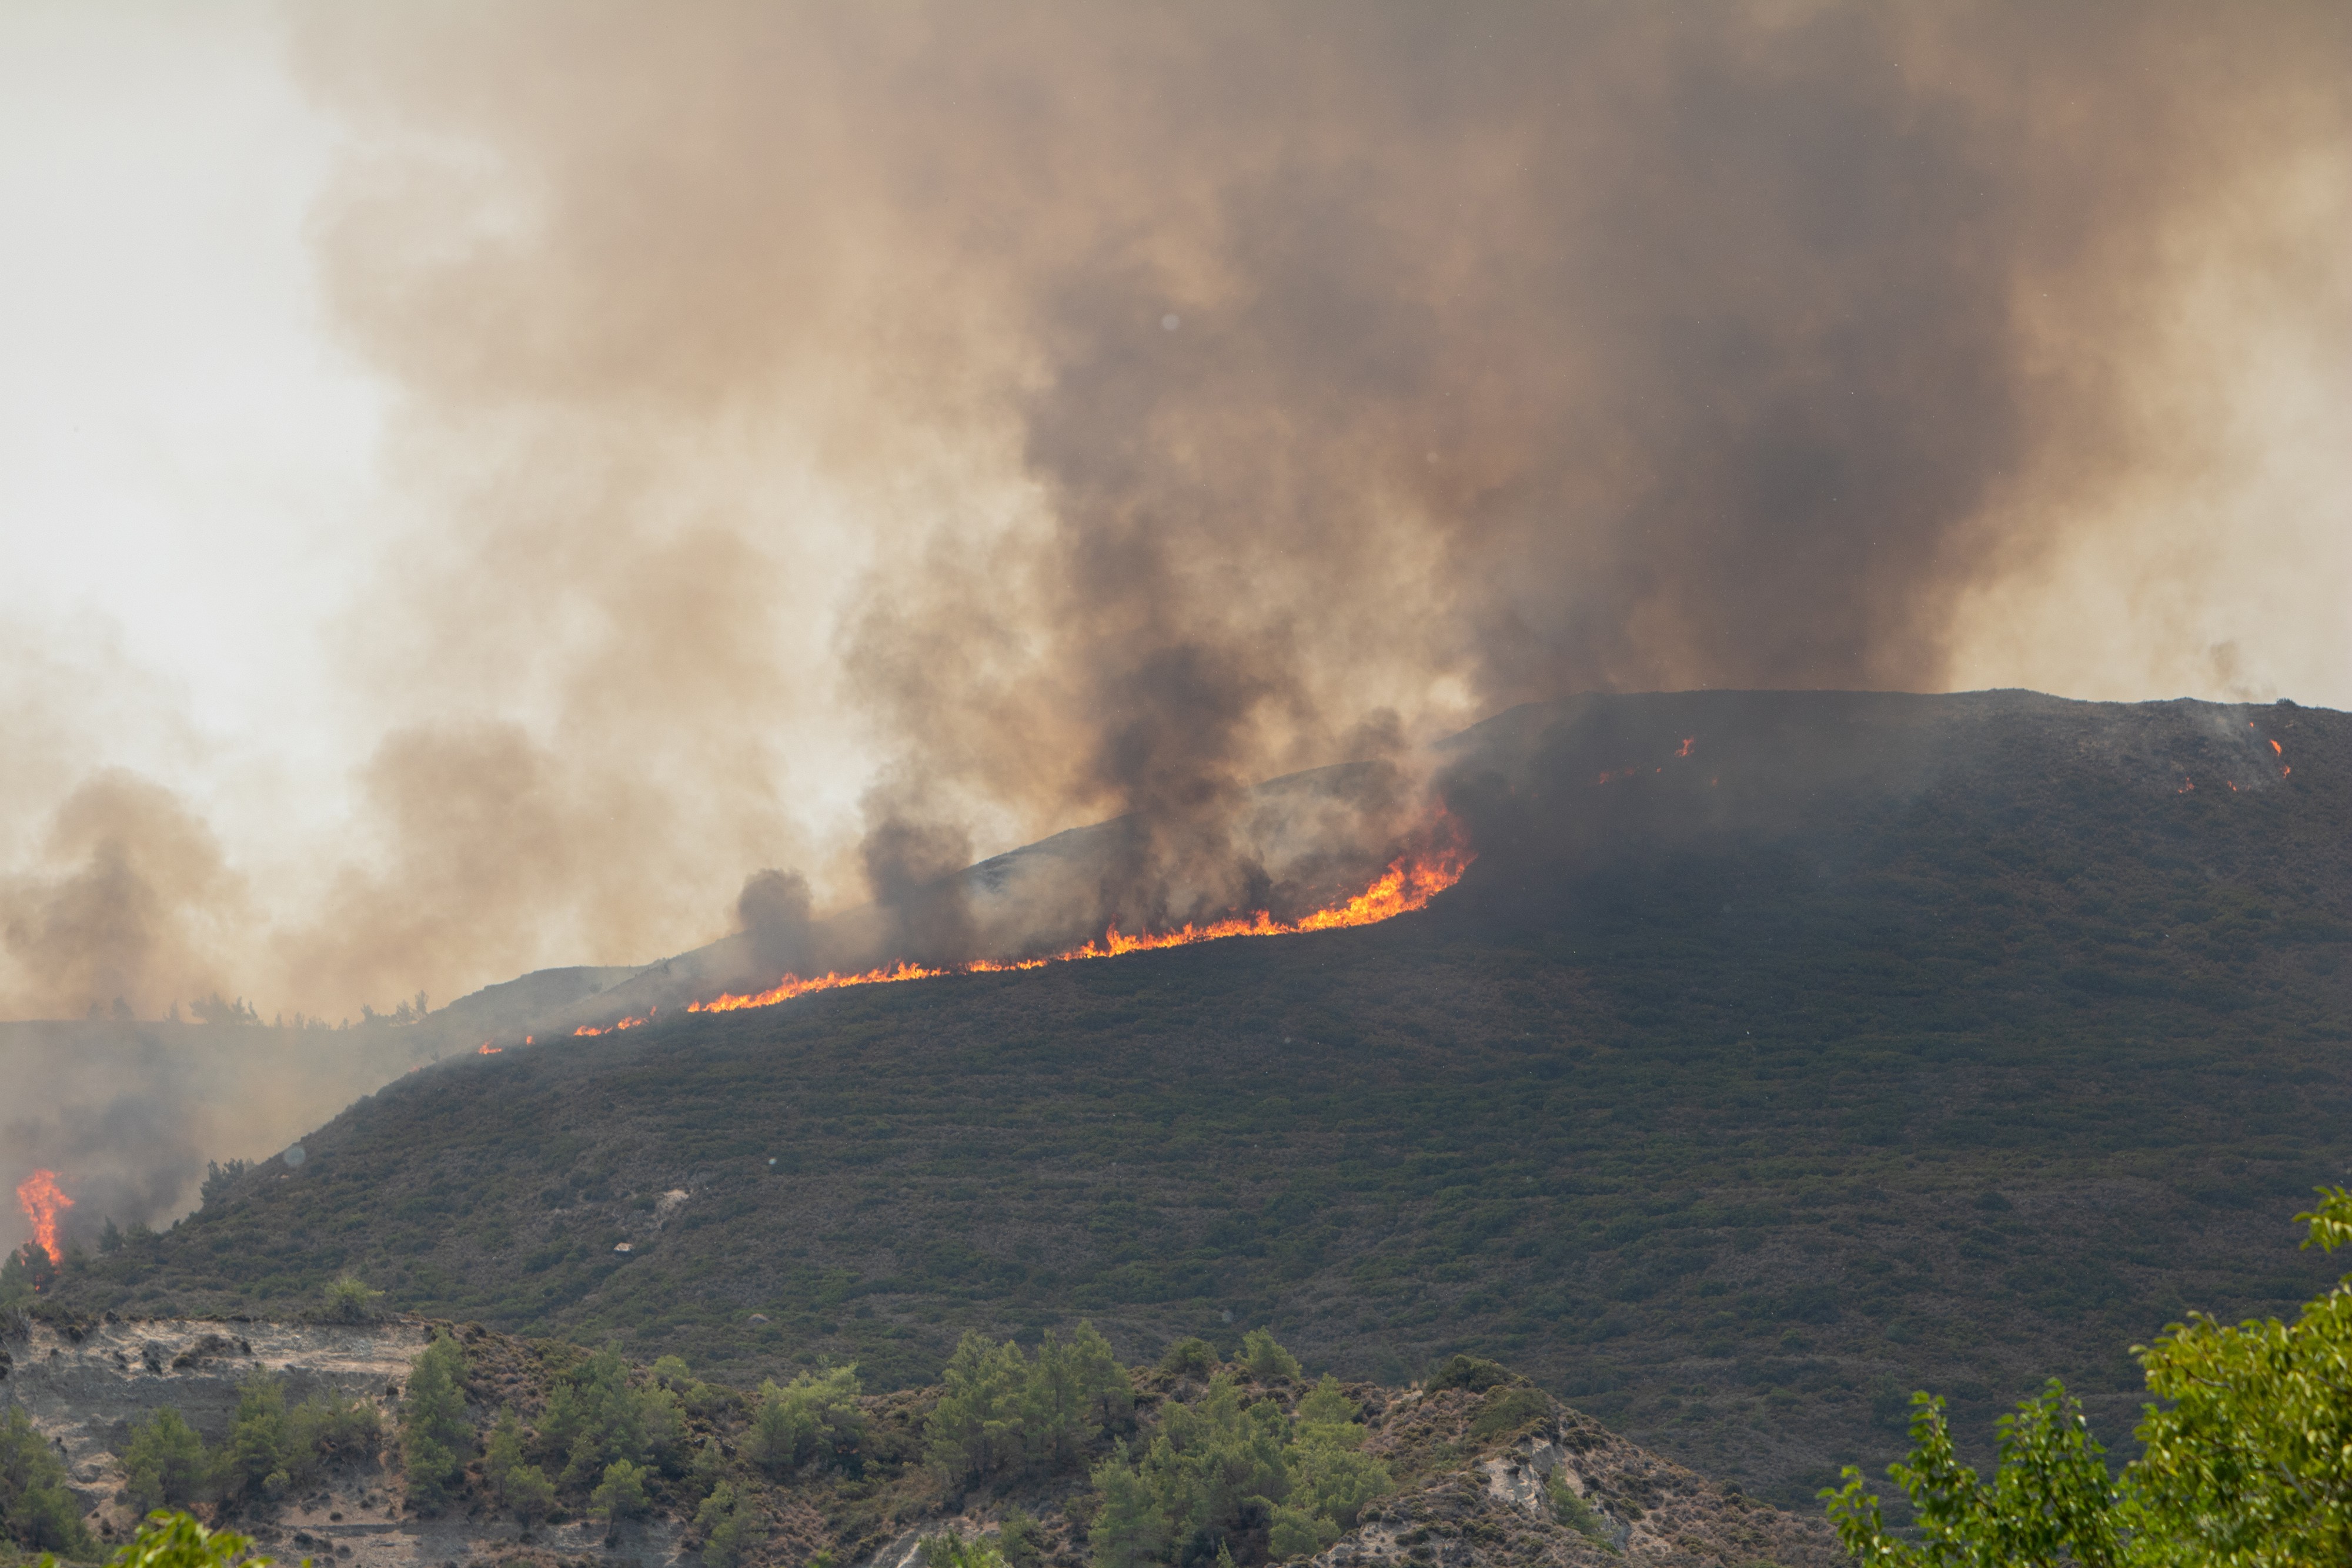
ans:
x=478 y=481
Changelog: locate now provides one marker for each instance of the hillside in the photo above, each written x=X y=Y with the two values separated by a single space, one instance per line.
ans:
x=1475 y=1470
x=1858 y=1044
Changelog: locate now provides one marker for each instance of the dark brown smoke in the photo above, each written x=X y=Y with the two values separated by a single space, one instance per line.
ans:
x=852 y=436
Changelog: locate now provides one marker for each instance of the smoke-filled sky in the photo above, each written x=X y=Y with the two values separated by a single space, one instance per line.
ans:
x=478 y=481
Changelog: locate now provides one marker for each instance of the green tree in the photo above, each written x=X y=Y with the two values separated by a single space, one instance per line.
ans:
x=164 y=1464
x=521 y=1487
x=1020 y=1539
x=725 y=1522
x=975 y=1429
x=2248 y=1464
x=37 y=1509
x=1003 y=1412
x=1129 y=1528
x=1070 y=1394
x=529 y=1494
x=503 y=1449
x=435 y=1436
x=597 y=1414
x=1216 y=1462
x=260 y=1444
x=621 y=1494
x=813 y=1416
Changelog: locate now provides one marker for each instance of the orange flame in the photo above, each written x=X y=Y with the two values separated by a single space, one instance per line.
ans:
x=1688 y=741
x=487 y=1049
x=43 y=1199
x=585 y=1031
x=2277 y=749
x=1408 y=884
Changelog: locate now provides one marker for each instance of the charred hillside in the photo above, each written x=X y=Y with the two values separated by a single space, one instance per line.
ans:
x=1780 y=1053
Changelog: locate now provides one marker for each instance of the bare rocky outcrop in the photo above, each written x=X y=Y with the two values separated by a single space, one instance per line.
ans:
x=1498 y=1509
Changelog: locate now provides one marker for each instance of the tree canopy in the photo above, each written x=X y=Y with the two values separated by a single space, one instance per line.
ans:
x=2245 y=1463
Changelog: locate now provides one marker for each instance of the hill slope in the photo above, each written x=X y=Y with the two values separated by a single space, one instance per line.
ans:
x=1861 y=1043
x=1475 y=1463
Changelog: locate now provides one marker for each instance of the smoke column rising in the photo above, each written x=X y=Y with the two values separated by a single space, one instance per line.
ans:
x=851 y=438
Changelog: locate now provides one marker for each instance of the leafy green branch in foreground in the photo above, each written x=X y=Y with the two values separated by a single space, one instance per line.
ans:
x=2247 y=1464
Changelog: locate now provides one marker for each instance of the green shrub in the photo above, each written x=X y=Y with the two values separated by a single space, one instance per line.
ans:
x=164 y=1464
x=327 y=1427
x=1190 y=1356
x=1507 y=1410
x=1569 y=1509
x=1472 y=1373
x=348 y=1299
x=1327 y=1403
x=37 y=1509
x=813 y=1416
x=1267 y=1360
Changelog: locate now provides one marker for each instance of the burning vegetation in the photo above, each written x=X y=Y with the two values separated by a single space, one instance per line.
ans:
x=1408 y=884
x=43 y=1200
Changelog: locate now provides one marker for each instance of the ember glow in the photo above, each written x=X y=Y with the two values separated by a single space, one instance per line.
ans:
x=1408 y=884
x=44 y=1200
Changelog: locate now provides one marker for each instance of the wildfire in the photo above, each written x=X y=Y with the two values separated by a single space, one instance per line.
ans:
x=1408 y=884
x=43 y=1200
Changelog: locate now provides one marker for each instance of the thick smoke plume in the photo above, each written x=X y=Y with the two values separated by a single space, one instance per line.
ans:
x=853 y=438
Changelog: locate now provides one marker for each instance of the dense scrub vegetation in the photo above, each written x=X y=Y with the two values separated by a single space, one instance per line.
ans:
x=1194 y=1462
x=1876 y=1043
x=270 y=1450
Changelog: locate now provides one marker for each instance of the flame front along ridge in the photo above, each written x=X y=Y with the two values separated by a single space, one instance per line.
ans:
x=1408 y=884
